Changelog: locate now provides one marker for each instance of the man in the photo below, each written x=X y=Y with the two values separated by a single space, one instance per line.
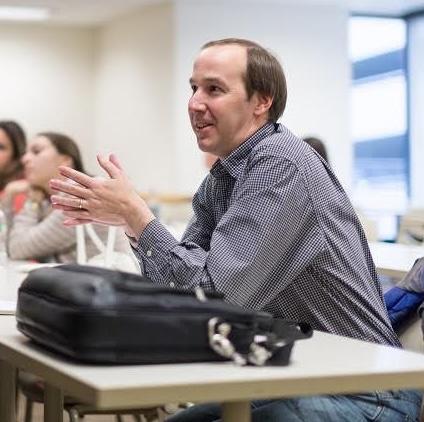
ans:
x=272 y=227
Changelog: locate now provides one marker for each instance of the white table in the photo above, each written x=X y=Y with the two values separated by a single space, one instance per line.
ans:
x=10 y=280
x=324 y=364
x=394 y=259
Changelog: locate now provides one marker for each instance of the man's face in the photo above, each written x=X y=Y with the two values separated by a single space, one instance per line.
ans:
x=221 y=115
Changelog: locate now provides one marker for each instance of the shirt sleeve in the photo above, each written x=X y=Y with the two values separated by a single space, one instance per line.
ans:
x=270 y=225
x=35 y=237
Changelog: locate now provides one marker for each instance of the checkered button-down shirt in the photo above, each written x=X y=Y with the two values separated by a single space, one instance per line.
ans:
x=273 y=230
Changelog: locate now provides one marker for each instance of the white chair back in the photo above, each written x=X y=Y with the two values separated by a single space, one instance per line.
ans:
x=107 y=257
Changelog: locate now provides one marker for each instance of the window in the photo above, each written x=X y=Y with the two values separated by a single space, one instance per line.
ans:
x=379 y=119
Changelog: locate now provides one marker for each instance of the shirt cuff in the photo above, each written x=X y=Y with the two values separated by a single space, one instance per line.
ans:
x=155 y=239
x=153 y=249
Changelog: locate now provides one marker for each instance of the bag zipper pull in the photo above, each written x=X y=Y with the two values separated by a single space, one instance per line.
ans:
x=218 y=332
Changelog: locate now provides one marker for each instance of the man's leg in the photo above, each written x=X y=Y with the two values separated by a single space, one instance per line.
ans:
x=208 y=412
x=380 y=406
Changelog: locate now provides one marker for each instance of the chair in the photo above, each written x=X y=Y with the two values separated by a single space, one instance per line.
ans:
x=32 y=388
x=411 y=228
x=107 y=257
x=411 y=337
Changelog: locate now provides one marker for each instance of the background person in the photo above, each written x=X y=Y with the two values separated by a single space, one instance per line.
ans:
x=38 y=232
x=272 y=228
x=12 y=148
x=318 y=146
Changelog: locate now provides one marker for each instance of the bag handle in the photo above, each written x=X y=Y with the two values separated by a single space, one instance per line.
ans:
x=270 y=347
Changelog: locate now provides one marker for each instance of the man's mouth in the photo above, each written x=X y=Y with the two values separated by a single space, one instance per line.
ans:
x=201 y=125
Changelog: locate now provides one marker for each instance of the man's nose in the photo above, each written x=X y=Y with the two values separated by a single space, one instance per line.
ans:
x=197 y=102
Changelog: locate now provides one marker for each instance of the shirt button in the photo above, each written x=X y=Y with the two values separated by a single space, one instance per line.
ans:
x=172 y=284
x=149 y=253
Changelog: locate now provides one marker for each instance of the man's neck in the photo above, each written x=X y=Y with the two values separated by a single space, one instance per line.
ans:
x=253 y=128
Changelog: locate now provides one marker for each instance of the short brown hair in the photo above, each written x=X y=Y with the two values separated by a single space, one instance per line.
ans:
x=264 y=74
x=66 y=146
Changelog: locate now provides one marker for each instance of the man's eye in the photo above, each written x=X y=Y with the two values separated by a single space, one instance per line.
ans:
x=215 y=89
x=193 y=88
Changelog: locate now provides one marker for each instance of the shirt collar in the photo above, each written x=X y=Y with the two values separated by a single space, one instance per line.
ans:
x=234 y=163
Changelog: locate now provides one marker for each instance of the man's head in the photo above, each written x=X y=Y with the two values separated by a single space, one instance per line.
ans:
x=237 y=86
x=263 y=74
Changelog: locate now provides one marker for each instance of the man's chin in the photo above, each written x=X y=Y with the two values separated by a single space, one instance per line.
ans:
x=204 y=145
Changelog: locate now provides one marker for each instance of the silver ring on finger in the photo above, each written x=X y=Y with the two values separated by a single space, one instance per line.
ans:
x=80 y=206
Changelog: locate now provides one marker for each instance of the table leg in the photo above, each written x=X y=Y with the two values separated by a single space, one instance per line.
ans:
x=53 y=404
x=7 y=392
x=236 y=411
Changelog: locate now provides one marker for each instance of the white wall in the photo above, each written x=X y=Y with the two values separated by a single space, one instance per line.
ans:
x=312 y=45
x=124 y=87
x=46 y=79
x=416 y=92
x=134 y=95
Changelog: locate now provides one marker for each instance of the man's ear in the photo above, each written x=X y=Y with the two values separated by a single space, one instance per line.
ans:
x=263 y=104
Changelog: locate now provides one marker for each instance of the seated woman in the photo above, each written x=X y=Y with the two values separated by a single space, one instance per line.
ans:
x=38 y=232
x=12 y=148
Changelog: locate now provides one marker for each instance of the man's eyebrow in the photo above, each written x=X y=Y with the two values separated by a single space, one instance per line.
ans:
x=208 y=80
x=214 y=80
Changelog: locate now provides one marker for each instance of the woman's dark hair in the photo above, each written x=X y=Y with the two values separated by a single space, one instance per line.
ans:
x=318 y=146
x=264 y=74
x=16 y=135
x=66 y=146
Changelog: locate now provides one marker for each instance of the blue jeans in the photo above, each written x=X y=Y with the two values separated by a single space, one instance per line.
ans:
x=381 y=406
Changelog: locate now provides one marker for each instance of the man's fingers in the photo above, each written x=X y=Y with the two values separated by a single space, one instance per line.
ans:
x=62 y=207
x=76 y=176
x=69 y=188
x=76 y=221
x=69 y=201
x=77 y=214
x=114 y=159
x=109 y=167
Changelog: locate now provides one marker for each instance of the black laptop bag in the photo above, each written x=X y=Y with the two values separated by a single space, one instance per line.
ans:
x=97 y=315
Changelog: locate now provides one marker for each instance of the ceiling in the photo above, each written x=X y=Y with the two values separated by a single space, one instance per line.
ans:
x=93 y=12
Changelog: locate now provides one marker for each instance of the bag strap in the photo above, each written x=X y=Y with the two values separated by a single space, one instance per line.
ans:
x=271 y=347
